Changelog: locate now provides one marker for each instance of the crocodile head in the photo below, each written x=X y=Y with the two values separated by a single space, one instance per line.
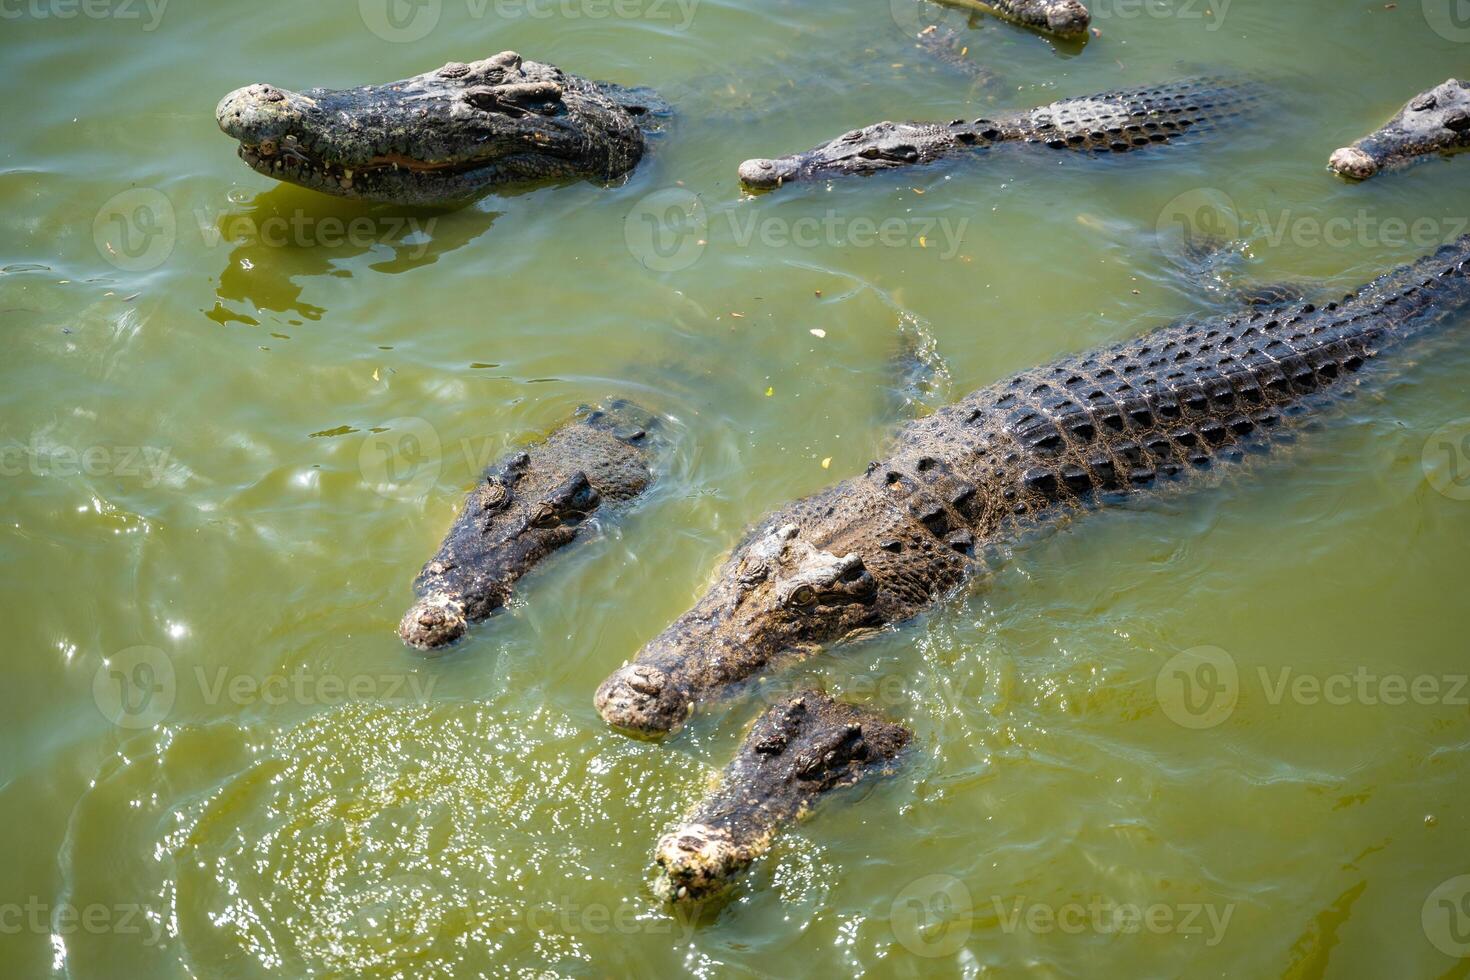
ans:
x=795 y=754
x=882 y=146
x=526 y=507
x=1433 y=122
x=437 y=138
x=777 y=596
x=507 y=527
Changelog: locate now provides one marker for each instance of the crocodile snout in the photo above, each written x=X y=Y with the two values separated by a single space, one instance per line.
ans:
x=762 y=174
x=1353 y=162
x=435 y=621
x=643 y=699
x=697 y=862
x=259 y=114
x=1068 y=19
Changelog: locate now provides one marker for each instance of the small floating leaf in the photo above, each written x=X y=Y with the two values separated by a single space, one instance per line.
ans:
x=341 y=430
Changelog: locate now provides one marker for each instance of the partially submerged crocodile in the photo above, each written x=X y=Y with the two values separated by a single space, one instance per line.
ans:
x=1116 y=122
x=1063 y=18
x=442 y=137
x=1010 y=460
x=1436 y=121
x=527 y=506
x=796 y=753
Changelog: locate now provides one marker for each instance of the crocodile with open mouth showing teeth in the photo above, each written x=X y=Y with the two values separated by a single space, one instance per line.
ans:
x=443 y=137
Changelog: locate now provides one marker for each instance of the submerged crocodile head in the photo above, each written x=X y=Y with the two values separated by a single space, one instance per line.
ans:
x=1435 y=121
x=527 y=506
x=797 y=752
x=437 y=138
x=882 y=146
x=777 y=596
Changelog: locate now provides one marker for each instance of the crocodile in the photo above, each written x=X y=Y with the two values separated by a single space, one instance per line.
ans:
x=1116 y=122
x=1012 y=460
x=527 y=506
x=795 y=754
x=1067 y=19
x=443 y=137
x=1436 y=121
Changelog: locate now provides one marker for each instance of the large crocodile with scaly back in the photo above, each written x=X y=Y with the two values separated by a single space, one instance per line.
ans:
x=526 y=507
x=1018 y=457
x=795 y=754
x=1116 y=122
x=1436 y=121
x=443 y=137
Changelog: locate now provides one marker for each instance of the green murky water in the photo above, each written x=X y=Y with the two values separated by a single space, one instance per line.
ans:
x=1217 y=734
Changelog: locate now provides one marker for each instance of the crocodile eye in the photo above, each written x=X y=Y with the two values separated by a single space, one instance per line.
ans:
x=544 y=516
x=804 y=596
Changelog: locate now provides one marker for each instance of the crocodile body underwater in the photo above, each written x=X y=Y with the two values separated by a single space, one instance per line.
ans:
x=795 y=754
x=1436 y=121
x=443 y=137
x=1111 y=122
x=526 y=507
x=1013 y=459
